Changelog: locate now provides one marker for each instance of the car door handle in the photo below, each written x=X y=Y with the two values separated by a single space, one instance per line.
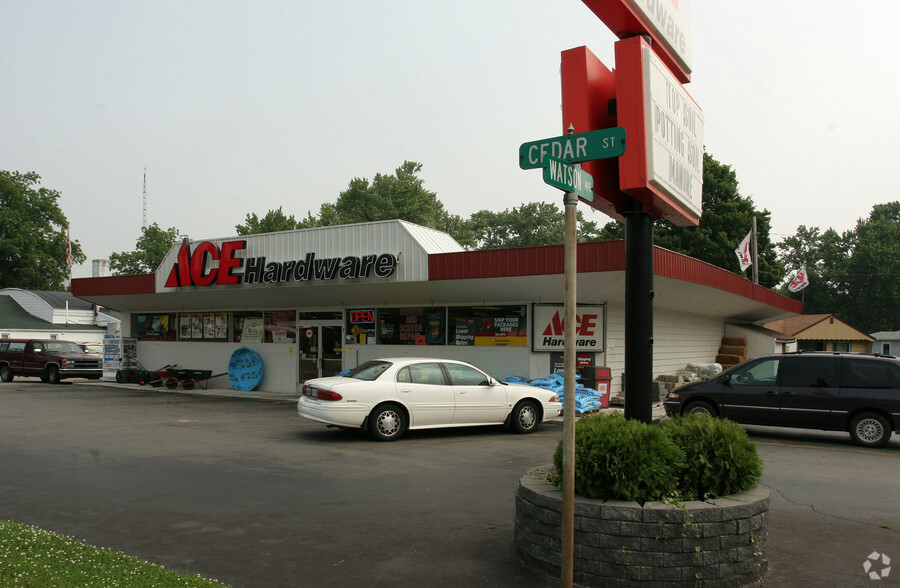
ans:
x=405 y=391
x=771 y=393
x=791 y=394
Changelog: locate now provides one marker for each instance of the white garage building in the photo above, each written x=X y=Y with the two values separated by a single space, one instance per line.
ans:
x=316 y=301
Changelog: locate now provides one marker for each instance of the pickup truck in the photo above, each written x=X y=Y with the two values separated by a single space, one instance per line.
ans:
x=51 y=360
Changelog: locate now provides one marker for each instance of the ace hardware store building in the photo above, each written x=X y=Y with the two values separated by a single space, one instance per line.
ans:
x=314 y=302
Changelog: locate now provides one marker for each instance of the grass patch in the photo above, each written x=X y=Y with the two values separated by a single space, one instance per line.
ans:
x=36 y=558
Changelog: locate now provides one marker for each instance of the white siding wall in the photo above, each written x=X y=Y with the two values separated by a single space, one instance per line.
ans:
x=678 y=340
x=61 y=334
x=757 y=343
x=279 y=361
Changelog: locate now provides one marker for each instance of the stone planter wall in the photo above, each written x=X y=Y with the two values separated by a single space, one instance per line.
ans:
x=719 y=542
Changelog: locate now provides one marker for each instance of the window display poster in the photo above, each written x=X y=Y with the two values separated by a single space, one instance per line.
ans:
x=253 y=330
x=410 y=325
x=209 y=325
x=185 y=326
x=221 y=325
x=196 y=326
x=506 y=331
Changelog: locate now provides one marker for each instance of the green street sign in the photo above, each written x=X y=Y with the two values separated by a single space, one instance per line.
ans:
x=574 y=148
x=566 y=176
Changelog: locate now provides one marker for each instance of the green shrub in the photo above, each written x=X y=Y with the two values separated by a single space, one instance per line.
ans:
x=719 y=458
x=622 y=459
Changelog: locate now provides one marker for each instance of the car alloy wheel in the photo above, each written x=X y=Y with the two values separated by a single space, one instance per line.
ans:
x=870 y=430
x=388 y=422
x=525 y=417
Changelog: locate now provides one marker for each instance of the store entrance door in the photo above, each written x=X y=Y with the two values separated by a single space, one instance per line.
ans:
x=320 y=350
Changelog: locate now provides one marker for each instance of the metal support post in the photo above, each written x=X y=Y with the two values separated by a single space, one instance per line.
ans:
x=638 y=313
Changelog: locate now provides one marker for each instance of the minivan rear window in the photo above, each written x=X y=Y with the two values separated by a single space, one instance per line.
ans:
x=861 y=373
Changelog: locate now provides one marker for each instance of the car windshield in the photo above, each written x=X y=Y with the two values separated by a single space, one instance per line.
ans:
x=368 y=371
x=64 y=347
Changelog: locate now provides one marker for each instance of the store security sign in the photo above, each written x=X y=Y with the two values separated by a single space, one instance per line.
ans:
x=549 y=328
x=197 y=267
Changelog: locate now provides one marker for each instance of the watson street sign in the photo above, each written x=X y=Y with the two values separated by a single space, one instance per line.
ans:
x=566 y=176
x=574 y=148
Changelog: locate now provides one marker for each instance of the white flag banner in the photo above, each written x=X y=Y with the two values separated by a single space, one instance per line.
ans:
x=743 y=252
x=800 y=281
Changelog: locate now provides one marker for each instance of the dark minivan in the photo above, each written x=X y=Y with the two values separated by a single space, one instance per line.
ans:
x=859 y=393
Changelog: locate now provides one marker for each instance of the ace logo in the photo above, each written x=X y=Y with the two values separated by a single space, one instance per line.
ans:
x=193 y=268
x=549 y=328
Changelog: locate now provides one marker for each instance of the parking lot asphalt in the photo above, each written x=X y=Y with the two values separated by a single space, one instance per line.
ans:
x=801 y=543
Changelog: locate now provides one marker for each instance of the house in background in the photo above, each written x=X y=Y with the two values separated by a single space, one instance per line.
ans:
x=41 y=314
x=886 y=342
x=822 y=332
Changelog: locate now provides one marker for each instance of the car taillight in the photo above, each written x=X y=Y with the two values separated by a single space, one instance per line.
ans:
x=319 y=393
x=329 y=395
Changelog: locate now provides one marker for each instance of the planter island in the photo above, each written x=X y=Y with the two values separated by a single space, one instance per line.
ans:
x=718 y=542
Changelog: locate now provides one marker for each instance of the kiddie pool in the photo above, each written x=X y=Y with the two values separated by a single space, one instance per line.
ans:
x=245 y=369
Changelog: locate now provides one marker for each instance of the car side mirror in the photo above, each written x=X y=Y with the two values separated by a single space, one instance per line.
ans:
x=727 y=380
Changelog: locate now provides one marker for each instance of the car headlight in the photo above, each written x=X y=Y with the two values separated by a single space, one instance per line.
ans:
x=673 y=396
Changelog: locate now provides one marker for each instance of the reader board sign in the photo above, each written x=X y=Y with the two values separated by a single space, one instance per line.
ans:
x=548 y=327
x=663 y=166
x=668 y=22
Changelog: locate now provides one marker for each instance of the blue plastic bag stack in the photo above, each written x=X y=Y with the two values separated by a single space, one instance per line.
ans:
x=586 y=399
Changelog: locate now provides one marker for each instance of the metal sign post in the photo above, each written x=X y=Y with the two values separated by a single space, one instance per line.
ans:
x=570 y=200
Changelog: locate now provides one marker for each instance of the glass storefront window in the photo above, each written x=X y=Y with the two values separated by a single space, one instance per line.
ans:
x=248 y=327
x=155 y=327
x=203 y=326
x=495 y=326
x=412 y=326
x=281 y=326
x=361 y=326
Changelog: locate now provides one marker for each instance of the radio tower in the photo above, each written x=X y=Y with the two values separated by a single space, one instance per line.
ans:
x=145 y=196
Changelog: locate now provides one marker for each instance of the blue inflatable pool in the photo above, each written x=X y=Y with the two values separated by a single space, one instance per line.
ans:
x=245 y=369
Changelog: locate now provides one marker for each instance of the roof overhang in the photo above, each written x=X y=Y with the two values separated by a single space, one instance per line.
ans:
x=682 y=284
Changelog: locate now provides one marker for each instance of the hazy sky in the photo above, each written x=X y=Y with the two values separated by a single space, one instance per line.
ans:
x=239 y=107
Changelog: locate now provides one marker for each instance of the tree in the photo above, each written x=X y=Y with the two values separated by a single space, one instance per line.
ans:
x=399 y=196
x=274 y=221
x=852 y=275
x=533 y=223
x=726 y=219
x=33 y=235
x=873 y=290
x=825 y=256
x=150 y=250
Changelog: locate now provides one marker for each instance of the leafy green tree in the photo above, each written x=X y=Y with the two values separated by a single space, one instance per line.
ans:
x=273 y=221
x=401 y=195
x=150 y=250
x=33 y=235
x=873 y=288
x=533 y=223
x=726 y=219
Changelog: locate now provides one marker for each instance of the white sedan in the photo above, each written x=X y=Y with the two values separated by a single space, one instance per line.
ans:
x=389 y=396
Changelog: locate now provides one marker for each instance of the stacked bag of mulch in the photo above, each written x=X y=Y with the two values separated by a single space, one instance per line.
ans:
x=586 y=399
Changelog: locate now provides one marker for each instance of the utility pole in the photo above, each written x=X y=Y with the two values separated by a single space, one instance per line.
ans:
x=145 y=197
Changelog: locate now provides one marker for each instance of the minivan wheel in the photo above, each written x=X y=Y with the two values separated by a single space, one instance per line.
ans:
x=700 y=407
x=870 y=429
